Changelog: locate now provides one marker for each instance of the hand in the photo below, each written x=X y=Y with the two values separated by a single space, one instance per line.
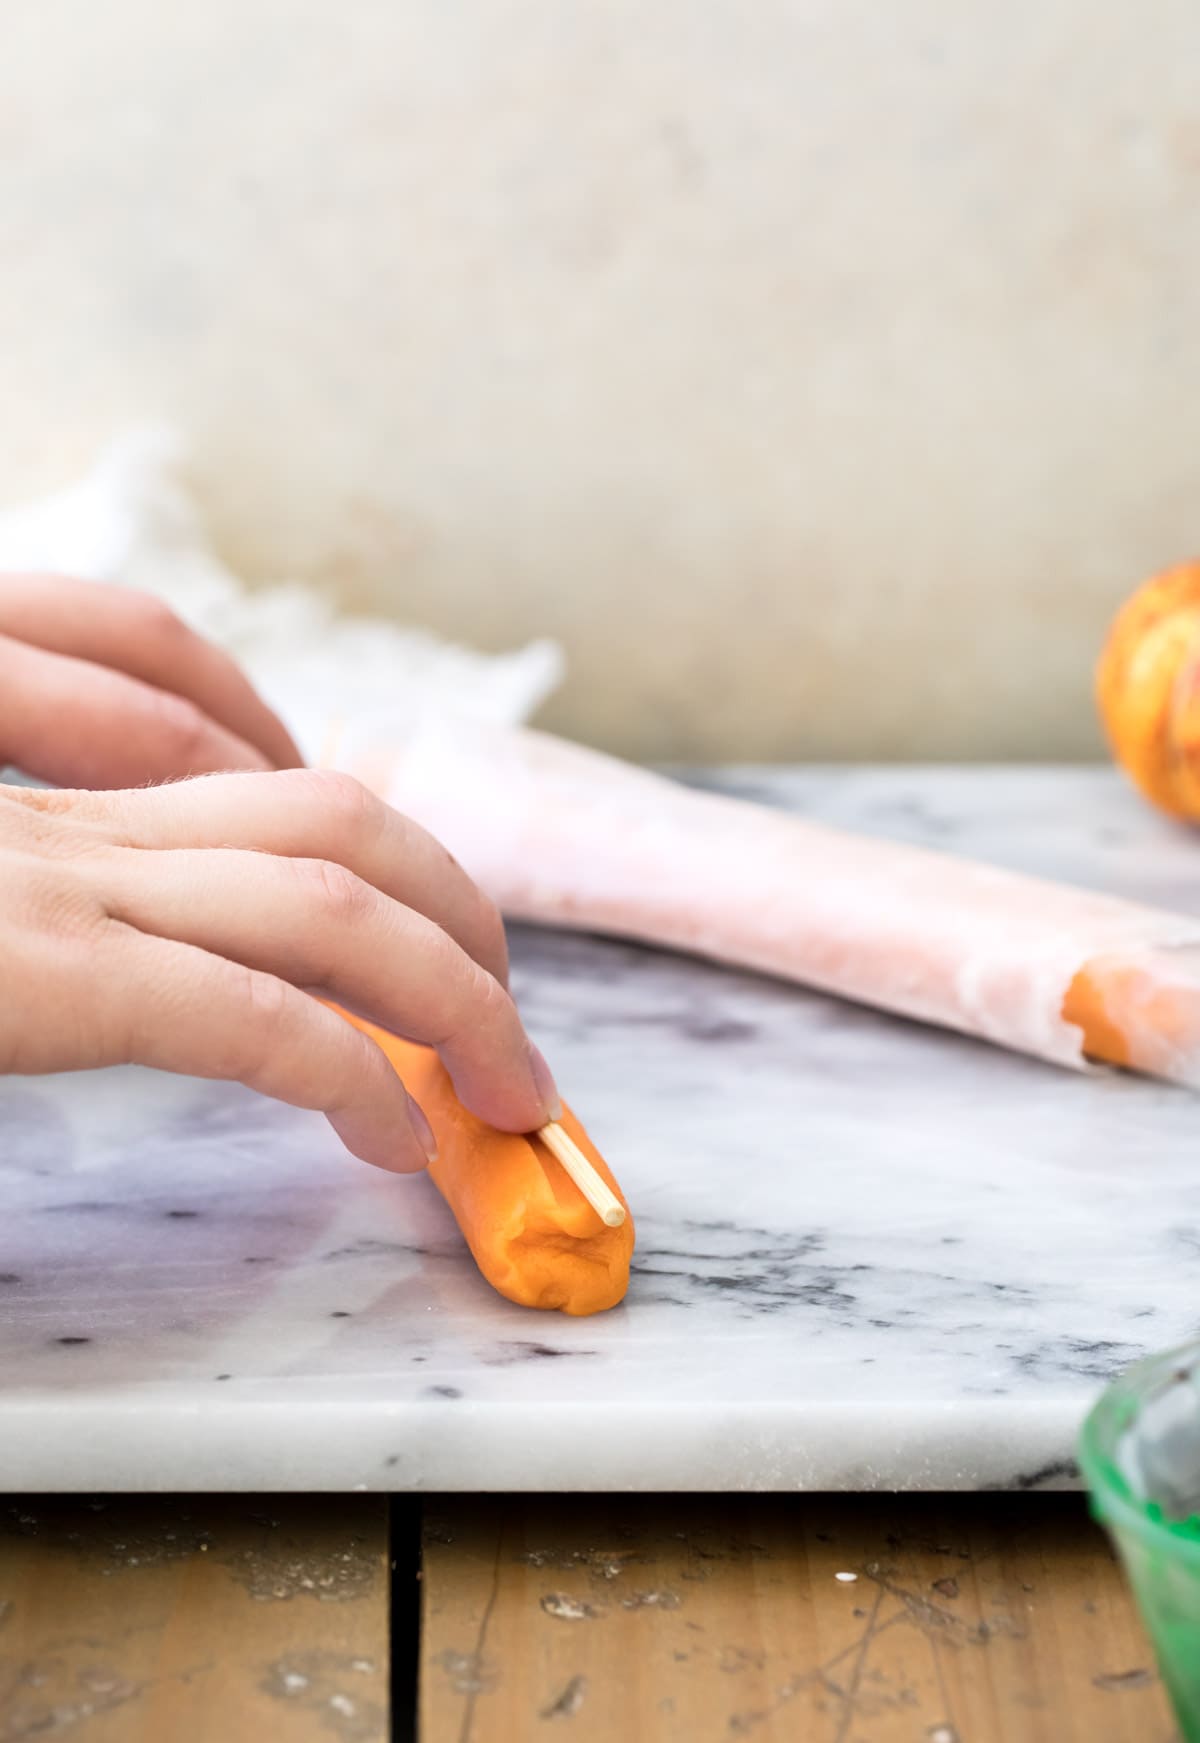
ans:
x=104 y=687
x=126 y=935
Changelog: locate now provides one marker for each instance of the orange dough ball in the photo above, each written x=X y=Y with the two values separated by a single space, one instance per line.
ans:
x=1148 y=689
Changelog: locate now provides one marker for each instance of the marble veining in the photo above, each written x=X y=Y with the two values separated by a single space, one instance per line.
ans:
x=868 y=1253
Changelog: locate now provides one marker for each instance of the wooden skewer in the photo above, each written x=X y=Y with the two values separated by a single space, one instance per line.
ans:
x=599 y=1195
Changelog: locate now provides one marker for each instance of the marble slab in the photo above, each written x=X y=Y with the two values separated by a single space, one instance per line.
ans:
x=869 y=1254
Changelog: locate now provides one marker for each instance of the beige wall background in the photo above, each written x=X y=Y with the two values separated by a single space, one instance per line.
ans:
x=822 y=373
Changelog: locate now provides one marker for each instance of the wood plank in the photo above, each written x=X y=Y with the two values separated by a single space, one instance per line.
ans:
x=968 y=1619
x=196 y=1619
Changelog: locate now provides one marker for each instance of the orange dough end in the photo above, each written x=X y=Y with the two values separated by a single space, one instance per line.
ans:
x=1085 y=1006
x=533 y=1234
x=1130 y=1011
x=1148 y=689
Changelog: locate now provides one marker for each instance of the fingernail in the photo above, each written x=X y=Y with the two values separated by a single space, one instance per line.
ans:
x=544 y=1082
x=422 y=1130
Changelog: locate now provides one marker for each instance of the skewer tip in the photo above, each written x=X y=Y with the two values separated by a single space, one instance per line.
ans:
x=593 y=1186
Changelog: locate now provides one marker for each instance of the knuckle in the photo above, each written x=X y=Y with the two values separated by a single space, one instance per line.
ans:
x=50 y=824
x=341 y=804
x=52 y=906
x=339 y=892
x=479 y=1001
x=151 y=617
x=264 y=998
x=60 y=905
x=33 y=802
x=182 y=730
x=253 y=1042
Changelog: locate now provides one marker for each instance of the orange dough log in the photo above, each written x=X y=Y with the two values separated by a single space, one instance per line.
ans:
x=533 y=1234
x=567 y=837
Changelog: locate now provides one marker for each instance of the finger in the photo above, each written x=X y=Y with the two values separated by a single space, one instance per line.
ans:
x=318 y=926
x=177 y=1008
x=317 y=814
x=72 y=723
x=141 y=636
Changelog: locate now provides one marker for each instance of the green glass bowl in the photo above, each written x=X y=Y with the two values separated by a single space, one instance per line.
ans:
x=1140 y=1453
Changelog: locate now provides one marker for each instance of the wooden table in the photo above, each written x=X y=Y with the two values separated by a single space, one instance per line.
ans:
x=848 y=1619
